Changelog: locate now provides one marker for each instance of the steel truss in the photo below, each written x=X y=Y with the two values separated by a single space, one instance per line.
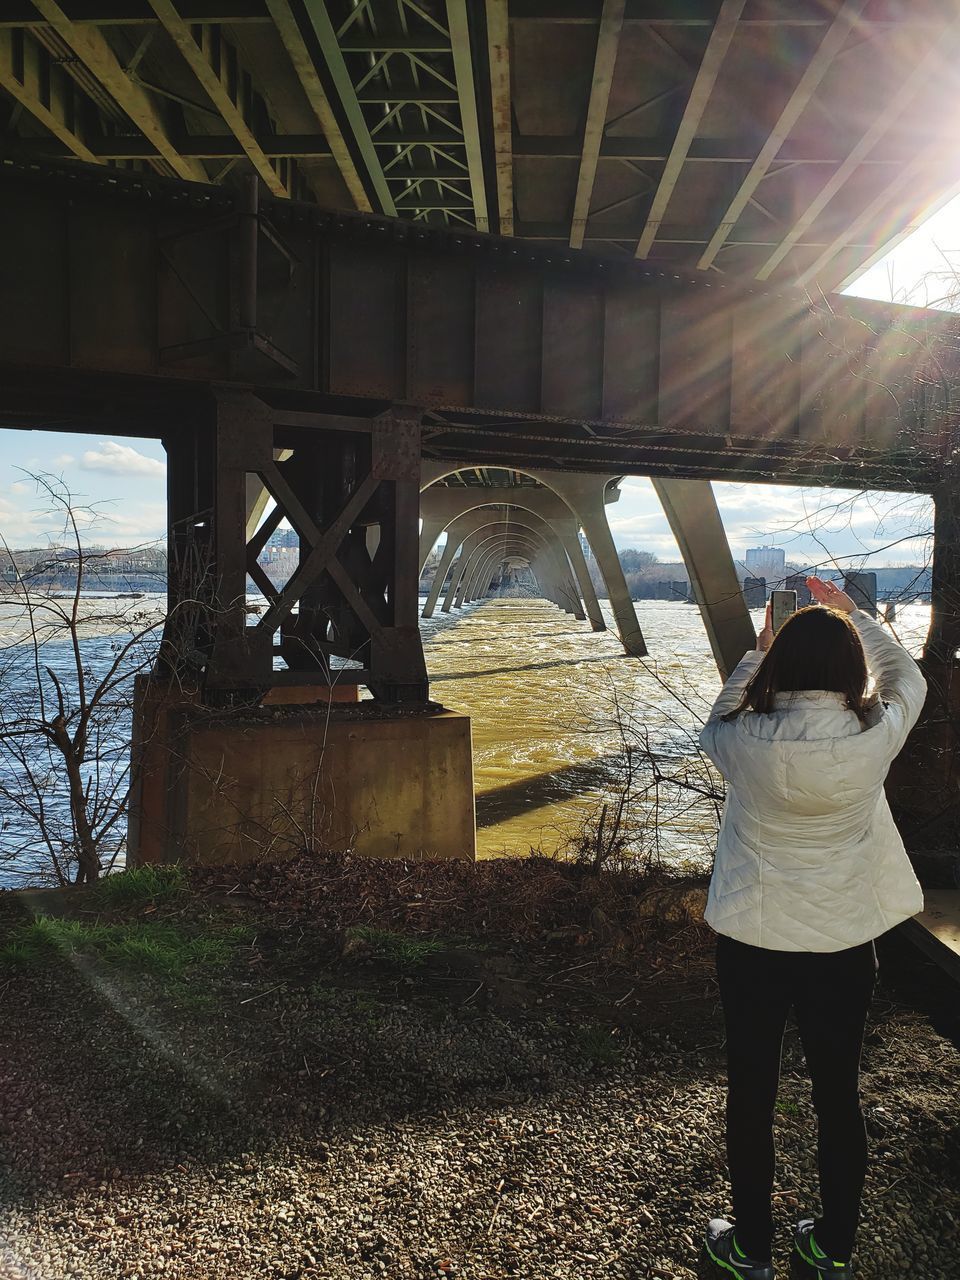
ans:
x=349 y=487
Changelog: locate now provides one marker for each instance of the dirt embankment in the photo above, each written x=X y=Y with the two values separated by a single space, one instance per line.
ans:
x=347 y=1069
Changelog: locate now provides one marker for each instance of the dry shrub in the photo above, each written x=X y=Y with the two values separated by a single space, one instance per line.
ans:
x=532 y=901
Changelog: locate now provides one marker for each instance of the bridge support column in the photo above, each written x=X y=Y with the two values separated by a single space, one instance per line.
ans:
x=470 y=544
x=538 y=508
x=924 y=782
x=584 y=495
x=562 y=581
x=691 y=509
x=545 y=574
x=217 y=775
x=429 y=533
x=457 y=530
x=571 y=545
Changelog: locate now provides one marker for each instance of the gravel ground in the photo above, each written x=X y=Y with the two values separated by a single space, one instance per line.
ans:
x=353 y=1119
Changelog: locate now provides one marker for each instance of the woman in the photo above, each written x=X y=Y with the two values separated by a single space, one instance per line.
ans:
x=810 y=869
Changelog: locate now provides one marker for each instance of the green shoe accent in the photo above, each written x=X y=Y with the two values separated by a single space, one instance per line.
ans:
x=726 y=1265
x=809 y=1261
x=818 y=1255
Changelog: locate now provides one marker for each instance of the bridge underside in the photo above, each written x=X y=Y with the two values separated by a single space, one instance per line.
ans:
x=339 y=364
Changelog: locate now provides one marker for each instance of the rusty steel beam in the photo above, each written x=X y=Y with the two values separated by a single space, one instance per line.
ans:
x=30 y=75
x=830 y=46
x=498 y=55
x=467 y=99
x=137 y=13
x=860 y=154
x=525 y=356
x=604 y=65
x=92 y=49
x=215 y=63
x=285 y=21
x=216 y=146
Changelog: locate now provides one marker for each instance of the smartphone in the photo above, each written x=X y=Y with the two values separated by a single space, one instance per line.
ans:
x=782 y=604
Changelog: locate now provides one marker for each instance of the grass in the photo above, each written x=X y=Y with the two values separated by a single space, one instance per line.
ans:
x=339 y=1002
x=141 y=884
x=598 y=1045
x=397 y=948
x=787 y=1108
x=154 y=947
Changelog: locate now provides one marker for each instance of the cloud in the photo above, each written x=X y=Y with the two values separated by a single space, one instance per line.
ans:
x=64 y=460
x=121 y=459
x=126 y=527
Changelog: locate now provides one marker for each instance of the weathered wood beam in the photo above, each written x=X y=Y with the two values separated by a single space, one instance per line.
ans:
x=720 y=38
x=91 y=47
x=831 y=44
x=213 y=60
x=604 y=65
x=29 y=75
x=467 y=95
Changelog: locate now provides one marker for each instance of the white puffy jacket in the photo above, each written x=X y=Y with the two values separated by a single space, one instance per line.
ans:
x=808 y=857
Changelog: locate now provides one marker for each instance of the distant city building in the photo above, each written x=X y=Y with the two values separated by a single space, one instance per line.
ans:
x=766 y=562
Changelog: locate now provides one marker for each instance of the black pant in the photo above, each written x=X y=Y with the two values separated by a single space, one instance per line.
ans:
x=830 y=993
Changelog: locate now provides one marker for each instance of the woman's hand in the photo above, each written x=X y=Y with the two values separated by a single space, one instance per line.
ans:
x=765 y=638
x=826 y=593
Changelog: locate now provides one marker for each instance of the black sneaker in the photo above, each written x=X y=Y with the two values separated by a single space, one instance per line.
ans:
x=809 y=1258
x=726 y=1254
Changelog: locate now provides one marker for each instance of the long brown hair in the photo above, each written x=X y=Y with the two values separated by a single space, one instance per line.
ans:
x=816 y=648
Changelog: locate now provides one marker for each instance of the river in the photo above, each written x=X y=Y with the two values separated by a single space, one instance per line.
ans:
x=552 y=705
x=545 y=695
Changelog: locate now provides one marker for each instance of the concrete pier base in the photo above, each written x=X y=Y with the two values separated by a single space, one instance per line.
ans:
x=271 y=782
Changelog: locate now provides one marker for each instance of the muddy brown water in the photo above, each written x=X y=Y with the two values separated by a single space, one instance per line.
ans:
x=545 y=694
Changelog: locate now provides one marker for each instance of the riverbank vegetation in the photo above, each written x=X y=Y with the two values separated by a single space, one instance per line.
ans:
x=342 y=1068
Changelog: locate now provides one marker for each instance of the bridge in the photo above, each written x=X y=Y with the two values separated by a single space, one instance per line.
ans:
x=258 y=230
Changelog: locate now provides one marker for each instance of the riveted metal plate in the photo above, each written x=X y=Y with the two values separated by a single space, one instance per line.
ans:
x=396 y=448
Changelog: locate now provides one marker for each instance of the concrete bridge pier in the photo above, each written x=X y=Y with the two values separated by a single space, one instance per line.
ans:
x=569 y=535
x=691 y=509
x=443 y=507
x=532 y=537
x=559 y=589
x=494 y=545
x=547 y=570
x=586 y=496
x=458 y=570
x=556 y=577
x=218 y=775
x=458 y=531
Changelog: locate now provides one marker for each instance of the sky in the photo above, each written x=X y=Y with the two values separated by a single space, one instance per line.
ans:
x=120 y=483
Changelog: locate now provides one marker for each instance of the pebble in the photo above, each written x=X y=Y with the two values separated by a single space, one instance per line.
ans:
x=435 y=1141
